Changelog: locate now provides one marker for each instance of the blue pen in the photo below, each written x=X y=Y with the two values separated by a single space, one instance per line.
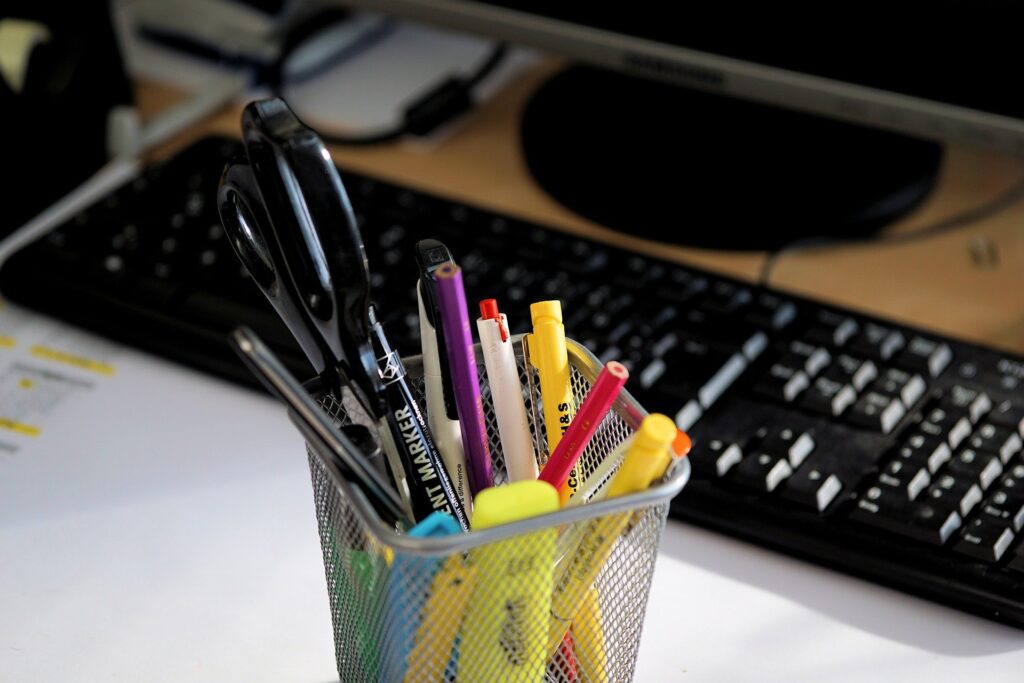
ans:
x=410 y=580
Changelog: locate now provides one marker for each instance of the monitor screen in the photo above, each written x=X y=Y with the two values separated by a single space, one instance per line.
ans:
x=942 y=70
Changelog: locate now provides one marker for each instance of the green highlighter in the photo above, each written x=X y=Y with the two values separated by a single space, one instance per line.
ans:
x=358 y=590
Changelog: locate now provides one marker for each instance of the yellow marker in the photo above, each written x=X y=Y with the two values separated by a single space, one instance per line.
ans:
x=47 y=353
x=504 y=630
x=442 y=617
x=647 y=459
x=549 y=355
x=588 y=630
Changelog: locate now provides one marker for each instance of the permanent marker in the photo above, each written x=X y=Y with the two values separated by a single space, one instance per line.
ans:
x=506 y=393
x=406 y=437
x=459 y=342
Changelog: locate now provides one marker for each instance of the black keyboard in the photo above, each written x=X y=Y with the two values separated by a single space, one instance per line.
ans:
x=884 y=451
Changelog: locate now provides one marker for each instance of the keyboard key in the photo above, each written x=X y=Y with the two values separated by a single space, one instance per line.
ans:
x=688 y=415
x=992 y=439
x=721 y=380
x=725 y=298
x=762 y=471
x=829 y=397
x=1009 y=414
x=923 y=520
x=770 y=312
x=1016 y=561
x=910 y=479
x=811 y=359
x=931 y=451
x=959 y=398
x=715 y=457
x=954 y=424
x=812 y=488
x=783 y=383
x=833 y=329
x=907 y=387
x=926 y=355
x=984 y=540
x=975 y=466
x=932 y=523
x=1006 y=507
x=878 y=342
x=961 y=494
x=856 y=372
x=689 y=365
x=652 y=373
x=877 y=411
x=792 y=444
x=1013 y=478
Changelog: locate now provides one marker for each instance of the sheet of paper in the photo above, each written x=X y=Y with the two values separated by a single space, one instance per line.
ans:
x=155 y=524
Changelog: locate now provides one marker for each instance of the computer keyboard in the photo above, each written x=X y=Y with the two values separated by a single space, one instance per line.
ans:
x=881 y=450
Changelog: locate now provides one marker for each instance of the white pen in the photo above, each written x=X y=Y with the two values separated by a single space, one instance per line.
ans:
x=506 y=393
x=442 y=416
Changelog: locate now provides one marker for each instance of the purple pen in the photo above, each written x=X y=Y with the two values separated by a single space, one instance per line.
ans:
x=451 y=299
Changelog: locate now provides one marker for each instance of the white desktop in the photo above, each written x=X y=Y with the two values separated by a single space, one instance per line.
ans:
x=160 y=527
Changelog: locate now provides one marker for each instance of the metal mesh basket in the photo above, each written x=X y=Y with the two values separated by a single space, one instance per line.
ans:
x=477 y=606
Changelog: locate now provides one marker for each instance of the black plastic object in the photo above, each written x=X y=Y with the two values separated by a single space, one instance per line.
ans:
x=289 y=218
x=699 y=169
x=794 y=398
x=73 y=79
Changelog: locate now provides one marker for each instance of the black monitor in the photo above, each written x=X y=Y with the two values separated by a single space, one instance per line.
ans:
x=743 y=127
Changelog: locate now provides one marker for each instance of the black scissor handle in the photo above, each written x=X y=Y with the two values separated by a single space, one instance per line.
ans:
x=309 y=222
x=249 y=230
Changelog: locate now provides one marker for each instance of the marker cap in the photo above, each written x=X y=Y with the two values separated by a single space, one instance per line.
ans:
x=512 y=502
x=546 y=311
x=656 y=432
x=681 y=445
x=489 y=309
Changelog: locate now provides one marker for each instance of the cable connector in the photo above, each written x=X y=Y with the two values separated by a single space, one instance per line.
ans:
x=441 y=104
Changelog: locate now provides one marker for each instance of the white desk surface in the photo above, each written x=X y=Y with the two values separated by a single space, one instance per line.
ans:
x=162 y=530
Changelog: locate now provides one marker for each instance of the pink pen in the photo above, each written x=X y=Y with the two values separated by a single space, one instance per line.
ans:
x=595 y=406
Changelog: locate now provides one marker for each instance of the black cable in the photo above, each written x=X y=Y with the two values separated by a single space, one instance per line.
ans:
x=448 y=99
x=960 y=220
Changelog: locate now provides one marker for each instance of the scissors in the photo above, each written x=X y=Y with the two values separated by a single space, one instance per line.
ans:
x=288 y=217
x=303 y=247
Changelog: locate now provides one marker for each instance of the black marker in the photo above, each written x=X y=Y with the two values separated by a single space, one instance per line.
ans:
x=407 y=440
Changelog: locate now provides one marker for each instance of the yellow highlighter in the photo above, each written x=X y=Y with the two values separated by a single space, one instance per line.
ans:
x=432 y=656
x=646 y=460
x=549 y=355
x=505 y=627
x=588 y=633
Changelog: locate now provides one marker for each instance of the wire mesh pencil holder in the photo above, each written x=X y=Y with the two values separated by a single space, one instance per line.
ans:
x=477 y=607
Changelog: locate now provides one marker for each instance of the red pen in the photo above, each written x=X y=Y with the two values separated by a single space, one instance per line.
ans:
x=595 y=406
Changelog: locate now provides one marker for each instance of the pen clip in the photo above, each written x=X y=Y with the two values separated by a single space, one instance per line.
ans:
x=533 y=392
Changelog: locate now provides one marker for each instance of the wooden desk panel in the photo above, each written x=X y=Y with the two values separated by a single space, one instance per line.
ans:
x=933 y=282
